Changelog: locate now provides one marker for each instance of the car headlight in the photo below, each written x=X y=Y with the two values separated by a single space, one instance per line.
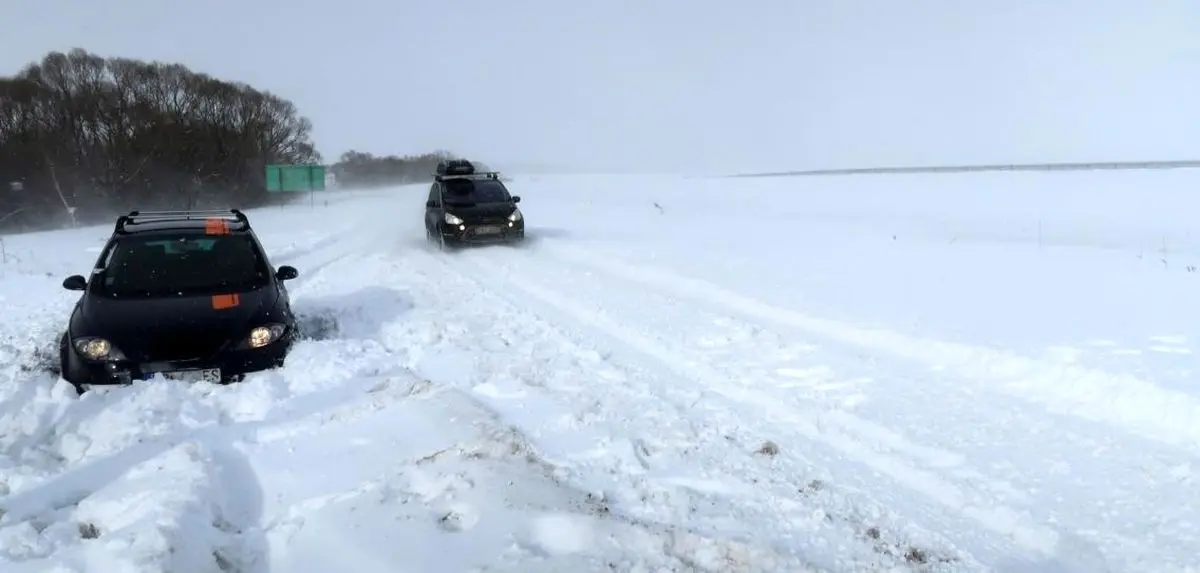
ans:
x=452 y=220
x=516 y=216
x=95 y=348
x=261 y=336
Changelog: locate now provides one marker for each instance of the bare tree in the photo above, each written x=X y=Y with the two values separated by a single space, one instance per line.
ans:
x=87 y=136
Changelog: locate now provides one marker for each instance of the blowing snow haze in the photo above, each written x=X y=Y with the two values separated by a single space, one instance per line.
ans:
x=674 y=85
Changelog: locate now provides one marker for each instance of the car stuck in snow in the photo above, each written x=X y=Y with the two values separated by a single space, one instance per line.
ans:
x=188 y=295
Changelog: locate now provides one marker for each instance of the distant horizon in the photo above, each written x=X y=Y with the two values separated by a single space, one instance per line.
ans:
x=1095 y=165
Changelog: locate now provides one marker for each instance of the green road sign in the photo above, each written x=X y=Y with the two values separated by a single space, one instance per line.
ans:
x=295 y=178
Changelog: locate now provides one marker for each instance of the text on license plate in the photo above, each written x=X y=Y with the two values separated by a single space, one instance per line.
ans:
x=204 y=375
x=487 y=230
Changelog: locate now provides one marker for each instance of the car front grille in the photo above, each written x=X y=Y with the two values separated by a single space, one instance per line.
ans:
x=486 y=221
x=184 y=346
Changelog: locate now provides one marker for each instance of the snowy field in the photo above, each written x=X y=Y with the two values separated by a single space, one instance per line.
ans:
x=986 y=372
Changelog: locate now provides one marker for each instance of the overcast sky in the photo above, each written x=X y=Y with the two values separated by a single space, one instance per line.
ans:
x=682 y=84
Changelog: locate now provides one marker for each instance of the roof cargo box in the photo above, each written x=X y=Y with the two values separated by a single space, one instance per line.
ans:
x=455 y=167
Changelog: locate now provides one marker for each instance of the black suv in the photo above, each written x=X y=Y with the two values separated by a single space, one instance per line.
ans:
x=188 y=294
x=465 y=207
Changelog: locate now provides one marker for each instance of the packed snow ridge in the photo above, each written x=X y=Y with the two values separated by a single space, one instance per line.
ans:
x=985 y=372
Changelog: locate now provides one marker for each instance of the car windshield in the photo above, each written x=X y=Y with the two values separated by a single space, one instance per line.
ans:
x=460 y=191
x=187 y=263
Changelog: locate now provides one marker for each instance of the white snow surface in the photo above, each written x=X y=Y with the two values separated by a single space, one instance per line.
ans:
x=987 y=372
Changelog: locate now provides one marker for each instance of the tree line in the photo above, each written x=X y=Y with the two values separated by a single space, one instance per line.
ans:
x=84 y=137
x=356 y=169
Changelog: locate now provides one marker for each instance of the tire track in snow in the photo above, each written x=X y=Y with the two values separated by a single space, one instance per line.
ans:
x=847 y=435
x=622 y=536
x=1119 y=400
x=1057 y=461
x=657 y=411
x=314 y=259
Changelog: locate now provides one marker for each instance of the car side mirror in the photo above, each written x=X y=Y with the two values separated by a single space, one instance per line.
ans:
x=286 y=273
x=431 y=204
x=516 y=198
x=75 y=282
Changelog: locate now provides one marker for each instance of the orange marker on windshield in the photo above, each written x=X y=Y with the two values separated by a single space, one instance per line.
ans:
x=224 y=301
x=216 y=227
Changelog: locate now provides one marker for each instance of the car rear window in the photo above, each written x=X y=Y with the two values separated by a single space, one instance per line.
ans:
x=187 y=263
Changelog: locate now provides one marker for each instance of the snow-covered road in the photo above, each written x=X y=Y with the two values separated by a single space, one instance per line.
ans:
x=851 y=382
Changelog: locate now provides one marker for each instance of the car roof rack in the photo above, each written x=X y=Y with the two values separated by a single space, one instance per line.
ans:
x=138 y=217
x=472 y=176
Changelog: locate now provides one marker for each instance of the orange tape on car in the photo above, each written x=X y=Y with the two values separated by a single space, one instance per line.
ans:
x=216 y=227
x=224 y=301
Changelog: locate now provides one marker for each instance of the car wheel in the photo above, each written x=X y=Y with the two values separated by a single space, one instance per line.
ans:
x=63 y=370
x=62 y=354
x=435 y=239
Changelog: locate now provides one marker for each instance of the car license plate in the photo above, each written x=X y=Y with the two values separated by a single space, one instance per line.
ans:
x=487 y=230
x=205 y=375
